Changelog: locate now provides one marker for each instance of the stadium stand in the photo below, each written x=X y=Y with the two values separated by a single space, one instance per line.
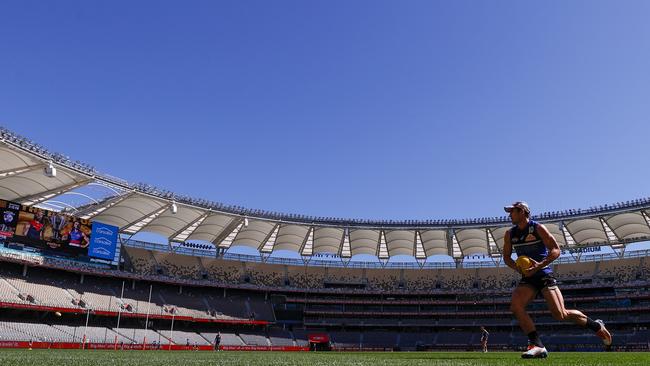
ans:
x=280 y=337
x=228 y=339
x=184 y=337
x=253 y=338
x=345 y=340
x=184 y=292
x=301 y=337
x=398 y=309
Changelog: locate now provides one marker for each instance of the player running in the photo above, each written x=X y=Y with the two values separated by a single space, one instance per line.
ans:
x=532 y=239
x=484 y=338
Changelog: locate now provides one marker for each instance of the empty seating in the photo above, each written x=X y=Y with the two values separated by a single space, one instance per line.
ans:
x=280 y=337
x=345 y=339
x=183 y=337
x=301 y=337
x=227 y=339
x=252 y=338
x=380 y=339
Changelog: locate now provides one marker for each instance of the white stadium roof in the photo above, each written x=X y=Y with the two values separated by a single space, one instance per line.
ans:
x=136 y=208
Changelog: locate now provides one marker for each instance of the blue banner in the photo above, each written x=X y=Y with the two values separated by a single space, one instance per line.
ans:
x=103 y=241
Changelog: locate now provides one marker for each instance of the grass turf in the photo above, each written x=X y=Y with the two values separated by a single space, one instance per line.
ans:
x=189 y=358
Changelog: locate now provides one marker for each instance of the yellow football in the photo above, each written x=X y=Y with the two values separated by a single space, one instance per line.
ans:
x=523 y=262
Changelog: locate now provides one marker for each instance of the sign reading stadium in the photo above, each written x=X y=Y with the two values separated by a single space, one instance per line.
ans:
x=582 y=250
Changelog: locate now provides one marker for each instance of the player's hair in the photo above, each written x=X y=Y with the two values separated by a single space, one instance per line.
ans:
x=527 y=213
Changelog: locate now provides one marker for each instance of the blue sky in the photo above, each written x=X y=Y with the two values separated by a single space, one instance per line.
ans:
x=365 y=109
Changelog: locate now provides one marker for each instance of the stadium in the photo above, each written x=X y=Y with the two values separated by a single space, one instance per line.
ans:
x=179 y=295
x=324 y=182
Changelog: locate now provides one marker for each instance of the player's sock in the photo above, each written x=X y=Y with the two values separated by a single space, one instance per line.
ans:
x=593 y=325
x=533 y=338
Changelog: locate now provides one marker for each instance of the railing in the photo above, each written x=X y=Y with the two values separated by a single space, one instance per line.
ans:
x=313 y=262
x=482 y=264
x=637 y=253
x=83 y=267
x=38 y=257
x=289 y=261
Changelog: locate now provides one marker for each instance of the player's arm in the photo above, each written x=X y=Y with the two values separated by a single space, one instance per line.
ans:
x=507 y=252
x=550 y=243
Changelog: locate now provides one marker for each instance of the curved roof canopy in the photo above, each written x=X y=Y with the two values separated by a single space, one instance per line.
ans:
x=138 y=208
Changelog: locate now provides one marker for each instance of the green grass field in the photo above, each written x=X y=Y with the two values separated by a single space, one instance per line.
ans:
x=189 y=358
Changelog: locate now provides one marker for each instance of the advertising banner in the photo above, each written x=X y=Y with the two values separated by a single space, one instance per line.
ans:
x=103 y=241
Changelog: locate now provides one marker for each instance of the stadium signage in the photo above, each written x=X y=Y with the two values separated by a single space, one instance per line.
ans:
x=36 y=229
x=326 y=255
x=103 y=241
x=582 y=250
x=104 y=230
